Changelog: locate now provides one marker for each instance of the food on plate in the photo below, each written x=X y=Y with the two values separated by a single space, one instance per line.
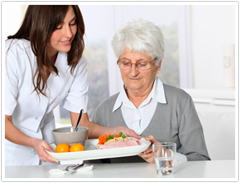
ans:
x=62 y=148
x=104 y=139
x=116 y=140
x=77 y=147
x=120 y=144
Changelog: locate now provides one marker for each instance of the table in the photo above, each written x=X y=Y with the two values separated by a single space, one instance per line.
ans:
x=192 y=169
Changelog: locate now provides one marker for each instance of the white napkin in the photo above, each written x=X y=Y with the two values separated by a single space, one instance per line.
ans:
x=81 y=169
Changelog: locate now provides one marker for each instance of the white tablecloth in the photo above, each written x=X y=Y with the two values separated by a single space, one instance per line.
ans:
x=195 y=169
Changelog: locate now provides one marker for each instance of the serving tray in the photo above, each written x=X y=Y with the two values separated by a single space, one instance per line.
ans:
x=93 y=152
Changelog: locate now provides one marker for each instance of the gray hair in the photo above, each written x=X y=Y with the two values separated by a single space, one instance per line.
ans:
x=140 y=36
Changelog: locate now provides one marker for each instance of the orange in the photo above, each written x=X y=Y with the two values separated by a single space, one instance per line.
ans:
x=61 y=148
x=77 y=147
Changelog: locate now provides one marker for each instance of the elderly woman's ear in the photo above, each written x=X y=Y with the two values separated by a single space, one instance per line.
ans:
x=159 y=67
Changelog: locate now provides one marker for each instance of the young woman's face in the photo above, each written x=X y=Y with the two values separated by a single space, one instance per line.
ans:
x=61 y=39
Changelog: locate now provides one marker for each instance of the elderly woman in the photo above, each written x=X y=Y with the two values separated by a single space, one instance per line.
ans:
x=152 y=109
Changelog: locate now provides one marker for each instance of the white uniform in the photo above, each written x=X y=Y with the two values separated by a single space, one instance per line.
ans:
x=32 y=113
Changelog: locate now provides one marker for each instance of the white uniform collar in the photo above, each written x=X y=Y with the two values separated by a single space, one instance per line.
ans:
x=157 y=94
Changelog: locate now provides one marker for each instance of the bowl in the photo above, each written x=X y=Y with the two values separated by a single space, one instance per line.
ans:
x=69 y=136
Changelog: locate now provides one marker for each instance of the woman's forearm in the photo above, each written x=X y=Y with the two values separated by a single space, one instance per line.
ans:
x=13 y=134
x=96 y=130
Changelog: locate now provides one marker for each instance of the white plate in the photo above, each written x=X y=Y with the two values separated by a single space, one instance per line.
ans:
x=92 y=152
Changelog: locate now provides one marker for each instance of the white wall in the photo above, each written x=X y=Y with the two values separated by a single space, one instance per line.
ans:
x=12 y=23
x=211 y=28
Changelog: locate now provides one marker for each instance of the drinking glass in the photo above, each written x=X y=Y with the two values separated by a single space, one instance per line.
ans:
x=164 y=155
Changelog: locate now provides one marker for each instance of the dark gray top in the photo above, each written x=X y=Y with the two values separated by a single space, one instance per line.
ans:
x=176 y=121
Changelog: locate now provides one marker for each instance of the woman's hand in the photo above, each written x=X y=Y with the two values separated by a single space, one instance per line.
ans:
x=126 y=131
x=147 y=155
x=96 y=130
x=13 y=134
x=40 y=146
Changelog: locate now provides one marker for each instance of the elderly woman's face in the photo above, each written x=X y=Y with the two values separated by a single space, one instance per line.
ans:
x=135 y=79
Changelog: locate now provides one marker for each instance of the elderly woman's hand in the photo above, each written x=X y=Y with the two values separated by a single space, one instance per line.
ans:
x=147 y=155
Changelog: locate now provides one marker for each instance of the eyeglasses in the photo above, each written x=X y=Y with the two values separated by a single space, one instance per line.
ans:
x=140 y=65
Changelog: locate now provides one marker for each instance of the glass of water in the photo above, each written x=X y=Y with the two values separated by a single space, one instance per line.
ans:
x=164 y=155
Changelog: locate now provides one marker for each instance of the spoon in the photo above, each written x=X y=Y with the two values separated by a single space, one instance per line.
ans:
x=74 y=169
x=79 y=119
x=73 y=166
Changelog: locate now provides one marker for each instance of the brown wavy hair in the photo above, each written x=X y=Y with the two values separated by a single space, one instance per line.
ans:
x=39 y=23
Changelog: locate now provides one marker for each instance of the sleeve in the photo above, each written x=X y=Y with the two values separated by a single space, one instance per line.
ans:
x=191 y=133
x=180 y=157
x=97 y=116
x=11 y=81
x=77 y=98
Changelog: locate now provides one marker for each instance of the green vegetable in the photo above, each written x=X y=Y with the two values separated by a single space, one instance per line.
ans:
x=120 y=134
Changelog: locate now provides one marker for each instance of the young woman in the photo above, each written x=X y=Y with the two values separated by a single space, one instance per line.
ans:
x=43 y=69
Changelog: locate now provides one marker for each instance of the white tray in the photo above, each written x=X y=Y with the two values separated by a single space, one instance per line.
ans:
x=92 y=152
